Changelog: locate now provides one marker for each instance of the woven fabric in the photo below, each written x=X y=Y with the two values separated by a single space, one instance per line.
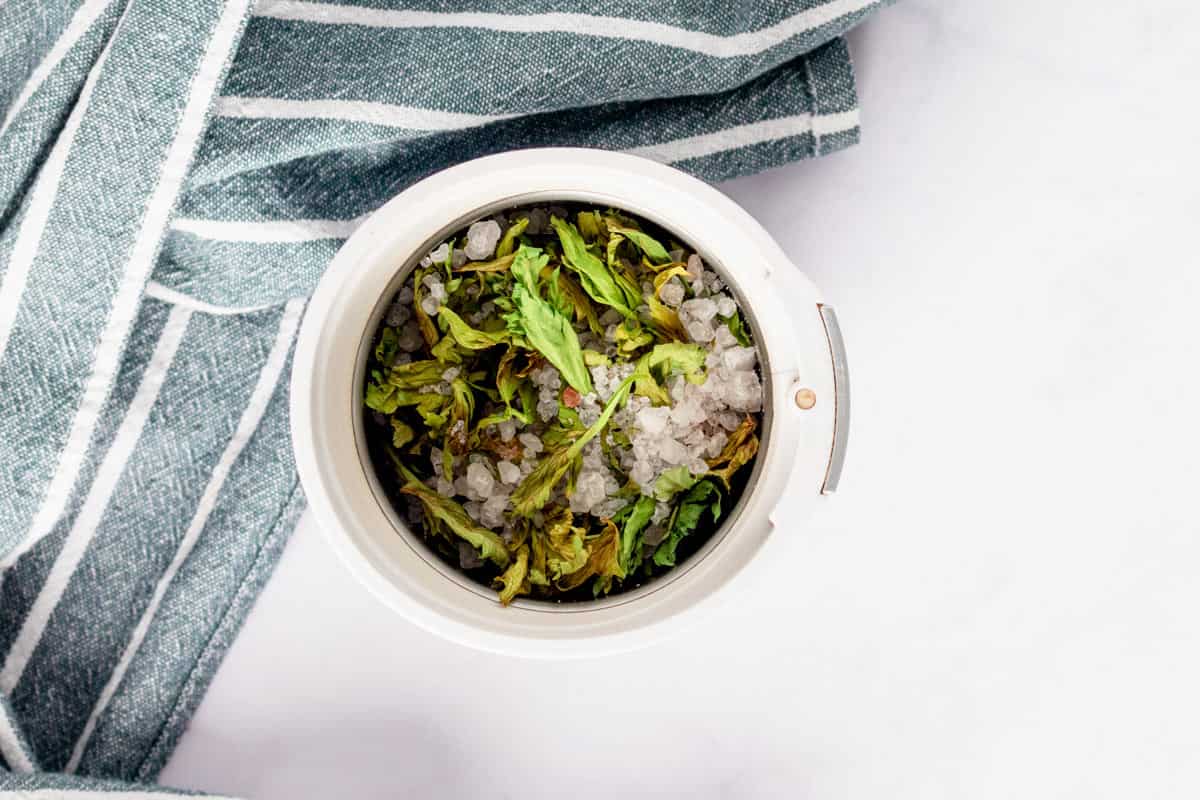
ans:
x=176 y=176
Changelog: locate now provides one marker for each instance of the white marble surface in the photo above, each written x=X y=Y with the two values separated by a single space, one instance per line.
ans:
x=1003 y=601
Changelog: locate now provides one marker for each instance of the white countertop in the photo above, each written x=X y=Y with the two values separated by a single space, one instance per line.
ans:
x=1002 y=601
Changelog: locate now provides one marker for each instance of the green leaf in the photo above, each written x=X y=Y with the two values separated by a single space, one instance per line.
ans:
x=631 y=338
x=562 y=304
x=512 y=579
x=704 y=495
x=527 y=267
x=500 y=264
x=508 y=241
x=563 y=544
x=603 y=562
x=488 y=543
x=601 y=284
x=666 y=321
x=447 y=352
x=428 y=329
x=543 y=327
x=568 y=417
x=415 y=374
x=660 y=280
x=386 y=347
x=465 y=335
x=380 y=395
x=462 y=407
x=738 y=328
x=386 y=398
x=673 y=481
x=593 y=359
x=670 y=358
x=589 y=224
x=739 y=449
x=506 y=380
x=631 y=533
x=677 y=358
x=650 y=246
x=401 y=433
x=534 y=491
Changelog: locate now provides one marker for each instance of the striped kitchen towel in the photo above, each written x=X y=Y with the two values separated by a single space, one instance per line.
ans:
x=174 y=177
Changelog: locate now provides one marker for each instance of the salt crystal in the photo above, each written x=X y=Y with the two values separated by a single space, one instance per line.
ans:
x=463 y=486
x=687 y=413
x=695 y=266
x=481 y=239
x=531 y=443
x=439 y=254
x=438 y=291
x=410 y=338
x=716 y=443
x=609 y=507
x=729 y=420
x=402 y=358
x=610 y=316
x=405 y=296
x=589 y=490
x=724 y=338
x=547 y=408
x=474 y=509
x=652 y=537
x=480 y=479
x=697 y=466
x=468 y=556
x=726 y=307
x=397 y=315
x=547 y=377
x=677 y=388
x=492 y=514
x=699 y=332
x=450 y=374
x=459 y=258
x=415 y=512
x=430 y=305
x=672 y=293
x=653 y=421
x=743 y=392
x=676 y=255
x=672 y=451
x=444 y=487
x=643 y=474
x=740 y=359
x=539 y=222
x=700 y=309
x=508 y=429
x=510 y=473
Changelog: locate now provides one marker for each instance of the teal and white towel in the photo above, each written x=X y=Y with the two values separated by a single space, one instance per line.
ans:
x=174 y=177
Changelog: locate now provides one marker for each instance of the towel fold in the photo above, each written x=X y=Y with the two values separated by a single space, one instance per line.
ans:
x=175 y=178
